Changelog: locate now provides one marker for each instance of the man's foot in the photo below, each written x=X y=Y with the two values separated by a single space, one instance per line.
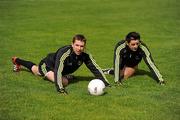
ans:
x=16 y=67
x=108 y=71
x=162 y=82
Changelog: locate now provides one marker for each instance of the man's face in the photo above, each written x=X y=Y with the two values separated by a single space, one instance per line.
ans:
x=78 y=47
x=134 y=44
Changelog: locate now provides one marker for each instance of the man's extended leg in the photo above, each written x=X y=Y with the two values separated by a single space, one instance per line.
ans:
x=17 y=62
x=16 y=66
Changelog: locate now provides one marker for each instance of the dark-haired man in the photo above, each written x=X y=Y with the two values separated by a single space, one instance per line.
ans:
x=56 y=66
x=128 y=54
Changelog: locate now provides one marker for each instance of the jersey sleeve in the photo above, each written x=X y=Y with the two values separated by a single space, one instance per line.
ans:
x=118 y=60
x=61 y=55
x=95 y=69
x=150 y=63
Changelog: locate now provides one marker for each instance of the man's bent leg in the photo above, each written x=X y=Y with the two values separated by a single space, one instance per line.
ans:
x=50 y=76
x=129 y=71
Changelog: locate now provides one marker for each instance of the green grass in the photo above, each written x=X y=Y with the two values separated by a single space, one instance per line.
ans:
x=32 y=28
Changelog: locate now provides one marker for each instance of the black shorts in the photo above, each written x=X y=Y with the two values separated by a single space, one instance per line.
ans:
x=43 y=67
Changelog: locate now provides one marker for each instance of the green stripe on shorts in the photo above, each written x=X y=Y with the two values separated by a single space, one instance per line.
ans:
x=43 y=68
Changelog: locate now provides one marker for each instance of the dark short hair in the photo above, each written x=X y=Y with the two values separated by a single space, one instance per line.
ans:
x=79 y=37
x=132 y=36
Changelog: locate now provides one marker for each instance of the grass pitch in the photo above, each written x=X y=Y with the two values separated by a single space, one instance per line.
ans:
x=32 y=28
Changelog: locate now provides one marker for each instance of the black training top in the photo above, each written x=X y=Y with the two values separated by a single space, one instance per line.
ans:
x=65 y=61
x=123 y=56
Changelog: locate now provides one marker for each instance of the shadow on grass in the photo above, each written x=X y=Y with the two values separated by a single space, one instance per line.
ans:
x=81 y=78
x=74 y=80
x=141 y=72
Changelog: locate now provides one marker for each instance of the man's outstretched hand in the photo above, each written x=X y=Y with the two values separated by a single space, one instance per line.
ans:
x=118 y=83
x=162 y=82
x=62 y=91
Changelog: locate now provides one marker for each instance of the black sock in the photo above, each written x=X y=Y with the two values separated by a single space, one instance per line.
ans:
x=27 y=64
x=111 y=72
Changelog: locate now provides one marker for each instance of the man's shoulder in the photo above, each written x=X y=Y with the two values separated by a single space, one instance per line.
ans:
x=121 y=43
x=65 y=48
x=143 y=45
x=143 y=48
x=86 y=54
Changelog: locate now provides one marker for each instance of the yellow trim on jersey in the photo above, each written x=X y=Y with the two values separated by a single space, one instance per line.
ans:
x=150 y=62
x=117 y=62
x=60 y=68
x=97 y=66
x=43 y=68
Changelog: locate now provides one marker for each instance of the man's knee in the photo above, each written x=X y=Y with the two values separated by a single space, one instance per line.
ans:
x=129 y=72
x=50 y=76
x=35 y=70
x=126 y=76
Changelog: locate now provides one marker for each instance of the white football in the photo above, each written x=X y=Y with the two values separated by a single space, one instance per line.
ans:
x=96 y=87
